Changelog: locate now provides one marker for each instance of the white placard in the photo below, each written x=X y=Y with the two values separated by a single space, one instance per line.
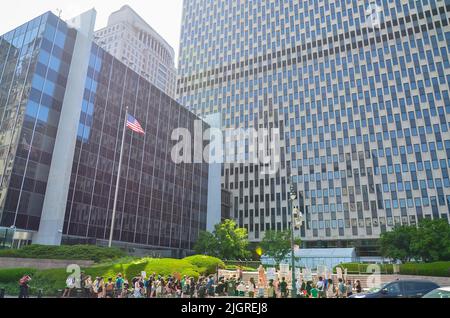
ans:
x=339 y=272
x=143 y=274
x=298 y=274
x=307 y=275
x=271 y=273
x=284 y=269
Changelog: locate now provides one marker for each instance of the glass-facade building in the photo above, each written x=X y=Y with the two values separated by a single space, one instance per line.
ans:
x=161 y=204
x=360 y=93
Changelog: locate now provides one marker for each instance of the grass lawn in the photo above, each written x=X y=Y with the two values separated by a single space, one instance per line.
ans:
x=51 y=280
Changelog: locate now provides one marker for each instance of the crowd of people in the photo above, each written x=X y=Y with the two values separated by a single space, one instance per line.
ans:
x=156 y=286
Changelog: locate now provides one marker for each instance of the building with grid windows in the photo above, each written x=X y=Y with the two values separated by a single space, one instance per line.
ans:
x=131 y=40
x=62 y=108
x=360 y=93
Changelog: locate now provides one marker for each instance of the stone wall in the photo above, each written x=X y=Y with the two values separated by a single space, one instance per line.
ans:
x=6 y=262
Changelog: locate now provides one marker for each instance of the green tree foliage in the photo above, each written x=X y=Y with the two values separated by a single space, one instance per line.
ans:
x=277 y=245
x=432 y=242
x=227 y=241
x=397 y=244
x=429 y=242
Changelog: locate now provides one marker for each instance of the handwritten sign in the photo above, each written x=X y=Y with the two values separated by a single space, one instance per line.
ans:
x=271 y=273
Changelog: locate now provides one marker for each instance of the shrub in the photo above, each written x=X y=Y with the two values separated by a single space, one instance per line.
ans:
x=244 y=268
x=206 y=264
x=13 y=275
x=356 y=268
x=65 y=252
x=439 y=269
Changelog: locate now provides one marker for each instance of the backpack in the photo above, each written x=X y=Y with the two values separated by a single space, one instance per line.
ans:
x=110 y=287
x=342 y=288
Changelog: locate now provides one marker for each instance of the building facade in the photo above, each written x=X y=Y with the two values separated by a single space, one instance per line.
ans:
x=59 y=169
x=360 y=93
x=131 y=40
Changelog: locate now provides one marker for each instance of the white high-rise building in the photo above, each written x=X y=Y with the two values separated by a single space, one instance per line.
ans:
x=130 y=39
x=359 y=91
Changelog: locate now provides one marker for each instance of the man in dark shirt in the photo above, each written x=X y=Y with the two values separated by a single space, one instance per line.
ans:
x=283 y=288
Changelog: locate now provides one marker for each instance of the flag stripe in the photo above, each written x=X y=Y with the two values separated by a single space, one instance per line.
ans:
x=134 y=125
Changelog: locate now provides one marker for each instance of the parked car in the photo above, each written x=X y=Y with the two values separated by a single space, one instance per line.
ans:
x=400 y=289
x=442 y=292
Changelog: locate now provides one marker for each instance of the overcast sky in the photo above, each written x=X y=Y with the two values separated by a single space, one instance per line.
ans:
x=163 y=15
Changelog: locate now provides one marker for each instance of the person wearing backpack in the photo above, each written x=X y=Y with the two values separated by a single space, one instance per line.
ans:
x=70 y=285
x=23 y=286
x=320 y=286
x=341 y=290
x=330 y=289
x=210 y=287
x=271 y=290
x=137 y=287
x=251 y=288
x=109 y=289
x=119 y=285
x=349 y=288
x=232 y=287
x=283 y=288
x=101 y=288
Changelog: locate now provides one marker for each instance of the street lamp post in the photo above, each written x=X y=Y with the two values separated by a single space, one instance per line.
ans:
x=296 y=223
x=293 y=197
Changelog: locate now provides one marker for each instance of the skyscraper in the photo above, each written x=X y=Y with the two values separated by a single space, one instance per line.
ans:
x=131 y=40
x=62 y=108
x=360 y=93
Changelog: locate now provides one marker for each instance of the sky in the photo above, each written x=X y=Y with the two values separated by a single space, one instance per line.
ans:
x=163 y=15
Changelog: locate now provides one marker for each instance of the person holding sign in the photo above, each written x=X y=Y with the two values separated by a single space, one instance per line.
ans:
x=262 y=276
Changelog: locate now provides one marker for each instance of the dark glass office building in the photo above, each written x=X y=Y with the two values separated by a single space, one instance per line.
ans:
x=61 y=97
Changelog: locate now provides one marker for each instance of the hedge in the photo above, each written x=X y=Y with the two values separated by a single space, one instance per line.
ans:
x=244 y=268
x=52 y=280
x=65 y=252
x=438 y=269
x=356 y=268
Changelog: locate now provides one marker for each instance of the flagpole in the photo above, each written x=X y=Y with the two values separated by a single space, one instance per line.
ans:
x=118 y=179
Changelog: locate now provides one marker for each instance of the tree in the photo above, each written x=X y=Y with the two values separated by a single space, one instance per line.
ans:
x=432 y=242
x=277 y=245
x=227 y=241
x=397 y=243
x=206 y=242
x=429 y=242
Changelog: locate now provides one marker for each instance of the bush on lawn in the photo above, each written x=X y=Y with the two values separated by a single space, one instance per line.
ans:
x=244 y=268
x=13 y=275
x=207 y=265
x=356 y=268
x=439 y=269
x=65 y=252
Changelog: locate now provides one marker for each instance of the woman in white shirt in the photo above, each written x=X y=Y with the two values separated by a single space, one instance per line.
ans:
x=137 y=288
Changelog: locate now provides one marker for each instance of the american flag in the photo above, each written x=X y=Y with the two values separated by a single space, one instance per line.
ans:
x=134 y=125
